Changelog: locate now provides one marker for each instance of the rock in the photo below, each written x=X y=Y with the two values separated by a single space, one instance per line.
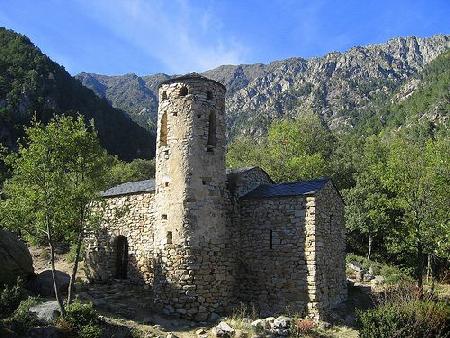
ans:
x=45 y=332
x=323 y=325
x=280 y=326
x=368 y=277
x=42 y=284
x=171 y=335
x=213 y=317
x=223 y=330
x=15 y=257
x=47 y=311
x=258 y=325
x=377 y=280
x=201 y=333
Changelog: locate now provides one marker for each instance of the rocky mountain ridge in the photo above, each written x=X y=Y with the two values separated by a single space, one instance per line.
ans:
x=339 y=86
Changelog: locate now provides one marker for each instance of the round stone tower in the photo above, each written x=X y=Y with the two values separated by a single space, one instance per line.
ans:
x=192 y=266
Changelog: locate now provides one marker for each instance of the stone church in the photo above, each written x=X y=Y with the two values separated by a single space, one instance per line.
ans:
x=205 y=238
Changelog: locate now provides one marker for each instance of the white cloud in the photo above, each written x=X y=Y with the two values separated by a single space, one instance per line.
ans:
x=177 y=33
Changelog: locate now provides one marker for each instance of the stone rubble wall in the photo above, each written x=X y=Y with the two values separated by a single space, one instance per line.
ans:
x=130 y=216
x=331 y=280
x=194 y=261
x=273 y=279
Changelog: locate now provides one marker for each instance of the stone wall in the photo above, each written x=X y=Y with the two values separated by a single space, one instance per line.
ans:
x=331 y=281
x=130 y=216
x=272 y=269
x=194 y=261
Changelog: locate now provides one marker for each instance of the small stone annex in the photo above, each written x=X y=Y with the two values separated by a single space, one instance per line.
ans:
x=204 y=238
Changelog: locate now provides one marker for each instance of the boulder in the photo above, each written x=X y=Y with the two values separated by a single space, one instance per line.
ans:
x=42 y=284
x=223 y=329
x=15 y=257
x=47 y=311
x=280 y=326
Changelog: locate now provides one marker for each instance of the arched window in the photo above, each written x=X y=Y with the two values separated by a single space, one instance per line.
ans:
x=211 y=131
x=209 y=95
x=163 y=131
x=169 y=237
x=164 y=96
x=183 y=91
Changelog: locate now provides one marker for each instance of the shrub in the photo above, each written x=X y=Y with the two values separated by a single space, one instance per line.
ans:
x=90 y=331
x=83 y=319
x=409 y=319
x=302 y=327
x=22 y=319
x=391 y=273
x=10 y=298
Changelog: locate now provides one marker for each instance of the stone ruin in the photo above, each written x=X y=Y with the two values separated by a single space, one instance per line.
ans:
x=205 y=238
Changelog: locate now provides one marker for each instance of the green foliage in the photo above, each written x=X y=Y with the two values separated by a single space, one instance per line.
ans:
x=392 y=274
x=137 y=170
x=71 y=255
x=83 y=319
x=33 y=85
x=410 y=319
x=293 y=150
x=10 y=298
x=59 y=170
x=22 y=319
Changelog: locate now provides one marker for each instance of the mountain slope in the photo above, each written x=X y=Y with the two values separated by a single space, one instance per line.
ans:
x=33 y=85
x=338 y=86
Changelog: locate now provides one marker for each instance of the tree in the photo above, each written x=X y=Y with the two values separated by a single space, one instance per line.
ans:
x=367 y=203
x=293 y=149
x=56 y=174
x=419 y=177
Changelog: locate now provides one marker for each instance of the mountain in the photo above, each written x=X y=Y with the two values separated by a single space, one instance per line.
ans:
x=341 y=87
x=33 y=85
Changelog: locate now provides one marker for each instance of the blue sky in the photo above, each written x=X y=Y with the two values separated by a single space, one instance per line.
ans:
x=178 y=36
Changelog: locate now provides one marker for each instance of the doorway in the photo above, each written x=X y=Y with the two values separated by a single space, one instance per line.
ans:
x=121 y=257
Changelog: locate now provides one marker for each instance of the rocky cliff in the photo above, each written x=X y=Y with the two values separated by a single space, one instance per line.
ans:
x=338 y=86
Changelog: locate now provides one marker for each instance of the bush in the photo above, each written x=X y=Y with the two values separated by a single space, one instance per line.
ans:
x=409 y=319
x=90 y=331
x=22 y=319
x=83 y=319
x=10 y=298
x=391 y=273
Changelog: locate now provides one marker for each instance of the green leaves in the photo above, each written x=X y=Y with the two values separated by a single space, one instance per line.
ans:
x=293 y=150
x=57 y=172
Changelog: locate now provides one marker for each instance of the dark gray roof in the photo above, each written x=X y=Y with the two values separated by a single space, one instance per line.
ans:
x=231 y=171
x=287 y=189
x=130 y=188
x=190 y=76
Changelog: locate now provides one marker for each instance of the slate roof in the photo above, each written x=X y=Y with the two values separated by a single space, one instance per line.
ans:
x=287 y=189
x=149 y=185
x=130 y=188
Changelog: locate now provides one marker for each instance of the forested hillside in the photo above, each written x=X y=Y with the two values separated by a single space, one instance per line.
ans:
x=32 y=85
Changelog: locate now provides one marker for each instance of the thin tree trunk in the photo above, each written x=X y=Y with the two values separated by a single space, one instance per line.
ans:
x=55 y=282
x=428 y=268
x=370 y=247
x=75 y=268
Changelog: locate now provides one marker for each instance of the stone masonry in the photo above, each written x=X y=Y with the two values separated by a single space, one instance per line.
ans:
x=206 y=239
